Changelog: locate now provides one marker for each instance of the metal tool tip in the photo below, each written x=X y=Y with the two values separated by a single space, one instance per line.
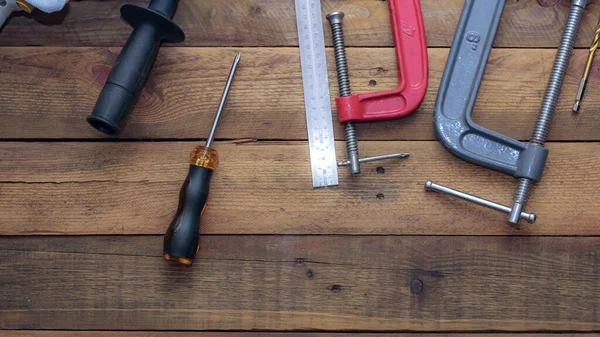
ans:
x=576 y=106
x=237 y=57
x=515 y=213
x=428 y=184
x=335 y=17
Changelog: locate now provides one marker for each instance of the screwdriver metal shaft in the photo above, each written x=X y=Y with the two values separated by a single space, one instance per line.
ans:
x=588 y=67
x=211 y=135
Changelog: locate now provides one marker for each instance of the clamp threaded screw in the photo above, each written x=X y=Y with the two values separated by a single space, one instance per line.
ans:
x=335 y=19
x=544 y=120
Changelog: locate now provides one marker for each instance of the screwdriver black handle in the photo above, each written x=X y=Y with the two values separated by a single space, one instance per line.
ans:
x=151 y=25
x=182 y=238
x=181 y=241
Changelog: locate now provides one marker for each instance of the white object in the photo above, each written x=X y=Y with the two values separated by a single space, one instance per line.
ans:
x=7 y=7
x=48 y=6
x=317 y=102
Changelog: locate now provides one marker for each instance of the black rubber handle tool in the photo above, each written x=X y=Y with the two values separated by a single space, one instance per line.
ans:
x=152 y=25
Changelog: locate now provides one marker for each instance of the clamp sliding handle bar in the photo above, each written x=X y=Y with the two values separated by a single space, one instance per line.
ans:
x=411 y=54
x=458 y=91
x=431 y=186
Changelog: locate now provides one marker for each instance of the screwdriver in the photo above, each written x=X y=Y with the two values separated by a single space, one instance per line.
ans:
x=588 y=67
x=182 y=238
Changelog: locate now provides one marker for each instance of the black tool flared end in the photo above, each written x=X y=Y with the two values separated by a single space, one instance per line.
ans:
x=111 y=108
x=136 y=15
x=103 y=125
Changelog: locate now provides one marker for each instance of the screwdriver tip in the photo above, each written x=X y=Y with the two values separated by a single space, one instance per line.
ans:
x=576 y=106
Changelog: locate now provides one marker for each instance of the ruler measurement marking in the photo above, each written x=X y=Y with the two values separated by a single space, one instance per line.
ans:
x=316 y=93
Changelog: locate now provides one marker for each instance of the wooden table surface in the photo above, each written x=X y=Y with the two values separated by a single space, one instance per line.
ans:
x=82 y=214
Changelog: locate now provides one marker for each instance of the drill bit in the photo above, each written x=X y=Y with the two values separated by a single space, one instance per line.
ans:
x=588 y=67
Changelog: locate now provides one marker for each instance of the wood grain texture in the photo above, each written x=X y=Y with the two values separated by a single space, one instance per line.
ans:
x=537 y=24
x=464 y=270
x=265 y=188
x=302 y=282
x=30 y=333
x=266 y=101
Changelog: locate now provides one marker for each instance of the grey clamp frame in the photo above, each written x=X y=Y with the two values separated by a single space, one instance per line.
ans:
x=457 y=94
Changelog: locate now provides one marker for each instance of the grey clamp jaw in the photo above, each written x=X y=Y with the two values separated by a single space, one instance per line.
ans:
x=457 y=94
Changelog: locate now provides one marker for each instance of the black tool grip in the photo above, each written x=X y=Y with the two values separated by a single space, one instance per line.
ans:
x=182 y=237
x=125 y=80
x=151 y=25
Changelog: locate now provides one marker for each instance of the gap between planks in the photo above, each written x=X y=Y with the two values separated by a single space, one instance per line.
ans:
x=272 y=23
x=71 y=333
x=265 y=188
x=266 y=101
x=299 y=282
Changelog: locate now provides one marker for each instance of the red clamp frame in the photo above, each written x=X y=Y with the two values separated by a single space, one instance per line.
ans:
x=413 y=71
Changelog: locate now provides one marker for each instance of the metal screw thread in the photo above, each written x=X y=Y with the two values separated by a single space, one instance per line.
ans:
x=340 y=59
x=523 y=189
x=521 y=197
x=540 y=133
x=522 y=194
x=341 y=66
x=558 y=74
x=350 y=134
x=520 y=200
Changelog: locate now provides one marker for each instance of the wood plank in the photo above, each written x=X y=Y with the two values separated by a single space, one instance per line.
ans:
x=30 y=333
x=303 y=283
x=272 y=23
x=265 y=188
x=266 y=101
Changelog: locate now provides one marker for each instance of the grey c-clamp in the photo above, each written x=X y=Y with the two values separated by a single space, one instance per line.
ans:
x=461 y=80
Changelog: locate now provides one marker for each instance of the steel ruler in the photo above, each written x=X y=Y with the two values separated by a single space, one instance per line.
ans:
x=316 y=93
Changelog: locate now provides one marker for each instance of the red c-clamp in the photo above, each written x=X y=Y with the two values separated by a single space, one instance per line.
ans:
x=411 y=55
